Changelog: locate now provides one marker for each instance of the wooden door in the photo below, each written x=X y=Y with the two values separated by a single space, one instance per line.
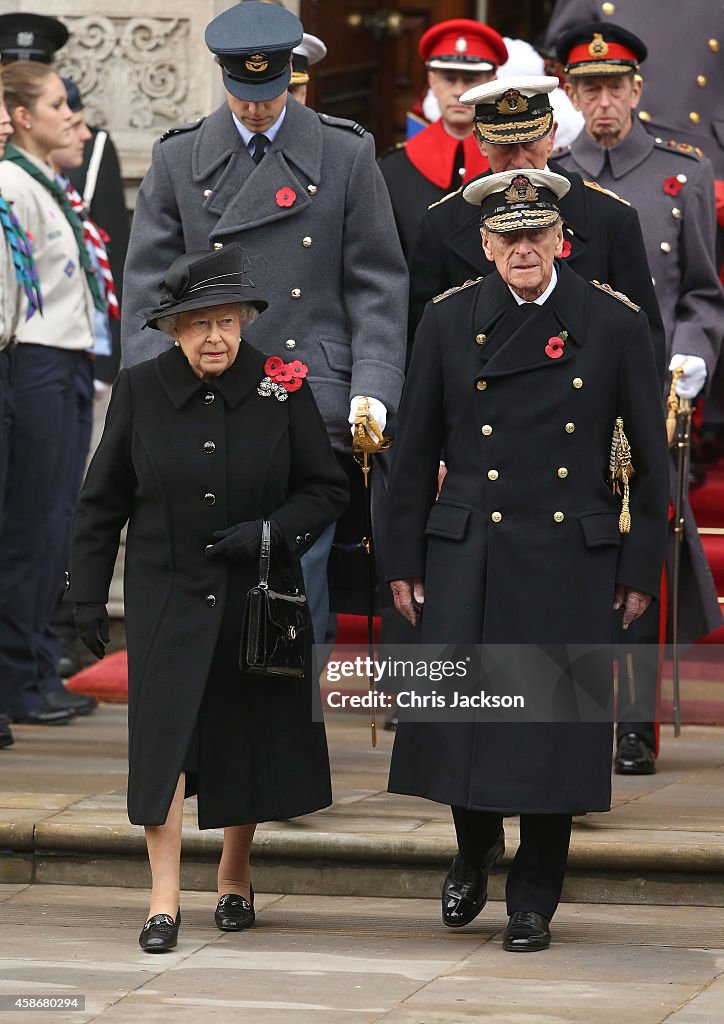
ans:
x=373 y=72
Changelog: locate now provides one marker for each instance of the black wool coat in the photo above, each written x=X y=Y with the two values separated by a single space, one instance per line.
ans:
x=604 y=243
x=179 y=459
x=523 y=545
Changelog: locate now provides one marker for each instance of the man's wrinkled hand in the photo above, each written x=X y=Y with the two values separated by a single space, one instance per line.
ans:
x=633 y=602
x=409 y=597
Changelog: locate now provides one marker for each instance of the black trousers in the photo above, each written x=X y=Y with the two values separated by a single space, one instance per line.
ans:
x=638 y=666
x=535 y=879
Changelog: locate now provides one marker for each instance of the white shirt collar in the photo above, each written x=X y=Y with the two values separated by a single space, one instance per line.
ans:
x=271 y=133
x=541 y=298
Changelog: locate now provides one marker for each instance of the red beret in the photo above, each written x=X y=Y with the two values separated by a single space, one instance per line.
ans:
x=464 y=44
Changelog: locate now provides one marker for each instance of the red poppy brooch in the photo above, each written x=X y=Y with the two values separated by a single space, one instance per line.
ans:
x=672 y=186
x=566 y=251
x=554 y=348
x=286 y=196
x=281 y=378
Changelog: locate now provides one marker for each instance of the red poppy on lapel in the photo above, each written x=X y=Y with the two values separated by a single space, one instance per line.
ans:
x=554 y=348
x=286 y=196
x=566 y=251
x=672 y=186
x=273 y=365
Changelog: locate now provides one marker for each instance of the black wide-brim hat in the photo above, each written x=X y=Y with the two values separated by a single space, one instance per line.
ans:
x=198 y=280
x=253 y=43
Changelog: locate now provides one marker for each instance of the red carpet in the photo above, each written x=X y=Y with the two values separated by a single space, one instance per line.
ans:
x=707 y=503
x=106 y=680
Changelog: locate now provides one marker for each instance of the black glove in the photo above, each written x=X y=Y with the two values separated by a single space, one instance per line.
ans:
x=242 y=541
x=91 y=624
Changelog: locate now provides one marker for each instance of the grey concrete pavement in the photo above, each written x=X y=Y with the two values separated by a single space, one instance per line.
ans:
x=343 y=960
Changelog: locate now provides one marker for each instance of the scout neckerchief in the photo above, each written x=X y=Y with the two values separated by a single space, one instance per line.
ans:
x=16 y=157
x=23 y=262
x=94 y=238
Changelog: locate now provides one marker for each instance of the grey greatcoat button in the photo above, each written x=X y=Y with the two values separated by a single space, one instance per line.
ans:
x=296 y=293
x=207 y=193
x=209 y=498
x=211 y=600
x=209 y=397
x=209 y=447
x=218 y=245
x=306 y=241
x=290 y=343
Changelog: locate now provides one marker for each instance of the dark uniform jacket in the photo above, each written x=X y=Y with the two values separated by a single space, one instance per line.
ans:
x=602 y=241
x=422 y=171
x=179 y=459
x=684 y=71
x=316 y=216
x=523 y=545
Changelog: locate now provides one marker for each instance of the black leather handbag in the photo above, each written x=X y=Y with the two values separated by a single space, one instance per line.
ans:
x=275 y=624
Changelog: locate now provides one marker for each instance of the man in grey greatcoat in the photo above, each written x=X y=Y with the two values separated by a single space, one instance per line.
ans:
x=301 y=192
x=672 y=188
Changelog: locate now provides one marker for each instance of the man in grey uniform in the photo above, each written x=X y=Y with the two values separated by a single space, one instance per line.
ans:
x=672 y=188
x=302 y=193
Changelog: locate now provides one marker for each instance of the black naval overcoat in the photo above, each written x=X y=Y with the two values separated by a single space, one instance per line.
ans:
x=604 y=243
x=523 y=545
x=179 y=459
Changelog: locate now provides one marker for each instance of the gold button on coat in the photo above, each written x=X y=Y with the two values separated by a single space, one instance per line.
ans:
x=481 y=385
x=714 y=45
x=480 y=338
x=496 y=516
x=644 y=115
x=486 y=429
x=306 y=241
x=694 y=117
x=577 y=382
x=558 y=517
x=492 y=474
x=290 y=343
x=665 y=247
x=608 y=8
x=701 y=81
x=570 y=427
x=563 y=472
x=296 y=293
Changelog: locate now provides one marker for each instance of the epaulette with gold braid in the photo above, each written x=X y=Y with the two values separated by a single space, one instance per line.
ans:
x=606 y=191
x=457 y=288
x=617 y=295
x=445 y=198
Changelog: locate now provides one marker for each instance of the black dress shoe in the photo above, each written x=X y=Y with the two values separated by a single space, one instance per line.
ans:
x=160 y=933
x=62 y=699
x=45 y=715
x=527 y=932
x=233 y=913
x=634 y=756
x=6 y=736
x=465 y=889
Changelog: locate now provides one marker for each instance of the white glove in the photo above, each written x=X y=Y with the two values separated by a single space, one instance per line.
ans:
x=377 y=411
x=693 y=379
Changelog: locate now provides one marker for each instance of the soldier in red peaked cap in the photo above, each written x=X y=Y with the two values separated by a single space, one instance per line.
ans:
x=458 y=54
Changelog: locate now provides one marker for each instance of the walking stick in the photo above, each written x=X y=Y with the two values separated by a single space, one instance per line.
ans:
x=679 y=411
x=363 y=447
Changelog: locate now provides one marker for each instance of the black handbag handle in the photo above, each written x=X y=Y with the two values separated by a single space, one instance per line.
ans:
x=265 y=554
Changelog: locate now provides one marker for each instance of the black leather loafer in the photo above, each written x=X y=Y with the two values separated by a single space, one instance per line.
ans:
x=527 y=932
x=233 y=913
x=634 y=756
x=6 y=736
x=62 y=699
x=45 y=715
x=465 y=889
x=160 y=933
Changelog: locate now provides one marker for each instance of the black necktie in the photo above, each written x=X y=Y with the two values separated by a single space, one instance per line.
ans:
x=260 y=144
x=528 y=308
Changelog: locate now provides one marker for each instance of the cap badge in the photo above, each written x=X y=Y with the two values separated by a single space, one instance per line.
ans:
x=257 y=63
x=521 y=191
x=25 y=38
x=461 y=44
x=598 y=47
x=512 y=102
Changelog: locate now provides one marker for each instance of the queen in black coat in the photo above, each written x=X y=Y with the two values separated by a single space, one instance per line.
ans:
x=185 y=454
